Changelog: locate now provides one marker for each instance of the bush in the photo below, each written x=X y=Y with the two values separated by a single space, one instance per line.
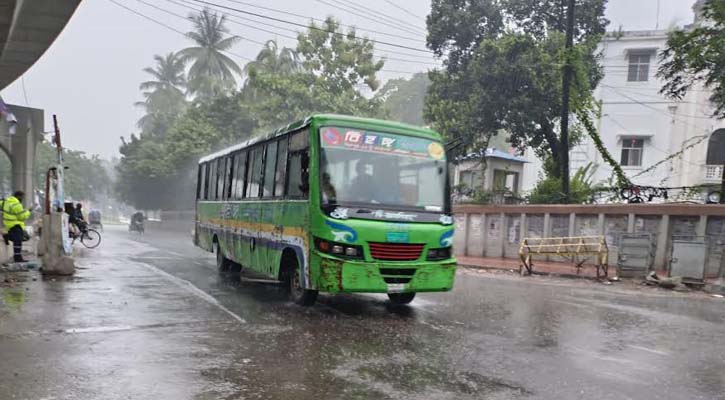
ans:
x=581 y=189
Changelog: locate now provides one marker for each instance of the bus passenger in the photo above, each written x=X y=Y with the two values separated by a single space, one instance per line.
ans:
x=329 y=195
x=363 y=184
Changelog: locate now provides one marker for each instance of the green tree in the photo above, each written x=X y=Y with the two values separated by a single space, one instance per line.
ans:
x=164 y=97
x=341 y=60
x=142 y=174
x=323 y=74
x=695 y=55
x=85 y=178
x=403 y=98
x=271 y=59
x=506 y=77
x=334 y=65
x=212 y=72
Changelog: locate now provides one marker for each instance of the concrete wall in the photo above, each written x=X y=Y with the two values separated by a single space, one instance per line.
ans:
x=497 y=231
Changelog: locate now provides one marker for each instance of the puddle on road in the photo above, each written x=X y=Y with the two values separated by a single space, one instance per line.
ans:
x=13 y=299
x=400 y=376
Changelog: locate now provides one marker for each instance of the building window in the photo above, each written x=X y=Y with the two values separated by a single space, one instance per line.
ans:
x=471 y=178
x=632 y=152
x=638 y=67
x=505 y=181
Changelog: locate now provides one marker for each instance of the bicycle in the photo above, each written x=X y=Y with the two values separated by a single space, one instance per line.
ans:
x=89 y=237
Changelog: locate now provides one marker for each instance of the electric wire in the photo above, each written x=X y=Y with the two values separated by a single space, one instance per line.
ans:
x=380 y=21
x=233 y=19
x=309 y=18
x=634 y=100
x=384 y=43
x=169 y=27
x=403 y=9
x=362 y=8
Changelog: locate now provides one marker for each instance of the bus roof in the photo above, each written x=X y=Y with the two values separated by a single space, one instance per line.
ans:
x=328 y=119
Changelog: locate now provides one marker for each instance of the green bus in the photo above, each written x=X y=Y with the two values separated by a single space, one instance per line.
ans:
x=333 y=204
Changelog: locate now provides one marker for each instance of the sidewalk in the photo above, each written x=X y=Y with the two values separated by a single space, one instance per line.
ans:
x=540 y=267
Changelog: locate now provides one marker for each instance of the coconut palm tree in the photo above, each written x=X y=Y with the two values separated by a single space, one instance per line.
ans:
x=164 y=97
x=275 y=61
x=212 y=72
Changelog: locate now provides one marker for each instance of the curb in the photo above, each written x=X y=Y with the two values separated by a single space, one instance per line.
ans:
x=538 y=273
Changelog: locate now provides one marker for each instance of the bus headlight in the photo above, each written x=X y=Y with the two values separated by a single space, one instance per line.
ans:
x=338 y=249
x=439 y=254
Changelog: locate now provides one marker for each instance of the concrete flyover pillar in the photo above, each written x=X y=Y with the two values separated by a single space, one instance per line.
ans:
x=21 y=146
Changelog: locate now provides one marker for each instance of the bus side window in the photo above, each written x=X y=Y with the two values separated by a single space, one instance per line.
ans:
x=239 y=172
x=201 y=182
x=254 y=173
x=221 y=164
x=233 y=177
x=279 y=176
x=228 y=174
x=298 y=165
x=207 y=171
x=269 y=169
x=212 y=180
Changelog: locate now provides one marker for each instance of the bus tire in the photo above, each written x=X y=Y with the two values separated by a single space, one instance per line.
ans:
x=401 y=298
x=222 y=263
x=293 y=284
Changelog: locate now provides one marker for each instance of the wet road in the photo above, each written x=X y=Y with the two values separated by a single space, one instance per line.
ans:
x=149 y=318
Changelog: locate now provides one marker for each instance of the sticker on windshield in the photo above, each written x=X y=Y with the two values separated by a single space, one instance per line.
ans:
x=378 y=142
x=436 y=151
x=331 y=136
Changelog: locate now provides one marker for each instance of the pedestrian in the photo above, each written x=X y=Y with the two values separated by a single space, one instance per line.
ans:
x=14 y=217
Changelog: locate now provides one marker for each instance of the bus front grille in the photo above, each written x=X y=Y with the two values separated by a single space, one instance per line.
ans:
x=395 y=251
x=397 y=275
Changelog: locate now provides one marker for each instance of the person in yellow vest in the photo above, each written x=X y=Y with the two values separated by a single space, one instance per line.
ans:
x=14 y=216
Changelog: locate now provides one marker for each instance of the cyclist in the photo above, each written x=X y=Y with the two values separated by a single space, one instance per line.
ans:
x=76 y=218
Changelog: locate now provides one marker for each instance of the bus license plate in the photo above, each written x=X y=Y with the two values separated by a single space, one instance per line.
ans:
x=397 y=237
x=396 y=287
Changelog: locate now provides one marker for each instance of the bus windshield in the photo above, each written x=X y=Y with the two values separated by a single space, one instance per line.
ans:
x=373 y=168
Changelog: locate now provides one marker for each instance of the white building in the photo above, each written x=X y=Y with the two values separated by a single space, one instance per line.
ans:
x=503 y=176
x=640 y=127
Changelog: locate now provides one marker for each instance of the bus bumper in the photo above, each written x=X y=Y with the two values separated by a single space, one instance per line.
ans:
x=345 y=276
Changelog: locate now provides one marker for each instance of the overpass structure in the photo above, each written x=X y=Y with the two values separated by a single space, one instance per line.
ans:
x=27 y=29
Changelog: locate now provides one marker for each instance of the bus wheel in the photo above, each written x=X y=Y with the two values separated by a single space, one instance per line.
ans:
x=299 y=295
x=401 y=298
x=222 y=263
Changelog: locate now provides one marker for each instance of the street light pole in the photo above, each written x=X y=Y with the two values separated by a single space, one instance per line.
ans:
x=566 y=94
x=722 y=187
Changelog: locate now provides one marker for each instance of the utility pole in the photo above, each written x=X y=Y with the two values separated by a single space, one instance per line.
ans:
x=566 y=91
x=722 y=189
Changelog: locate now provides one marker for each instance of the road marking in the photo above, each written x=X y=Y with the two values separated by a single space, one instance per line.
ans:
x=97 y=329
x=659 y=352
x=184 y=284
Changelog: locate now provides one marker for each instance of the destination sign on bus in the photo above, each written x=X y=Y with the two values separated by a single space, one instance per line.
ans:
x=377 y=142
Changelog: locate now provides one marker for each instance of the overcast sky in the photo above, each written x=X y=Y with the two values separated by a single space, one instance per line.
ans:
x=90 y=76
